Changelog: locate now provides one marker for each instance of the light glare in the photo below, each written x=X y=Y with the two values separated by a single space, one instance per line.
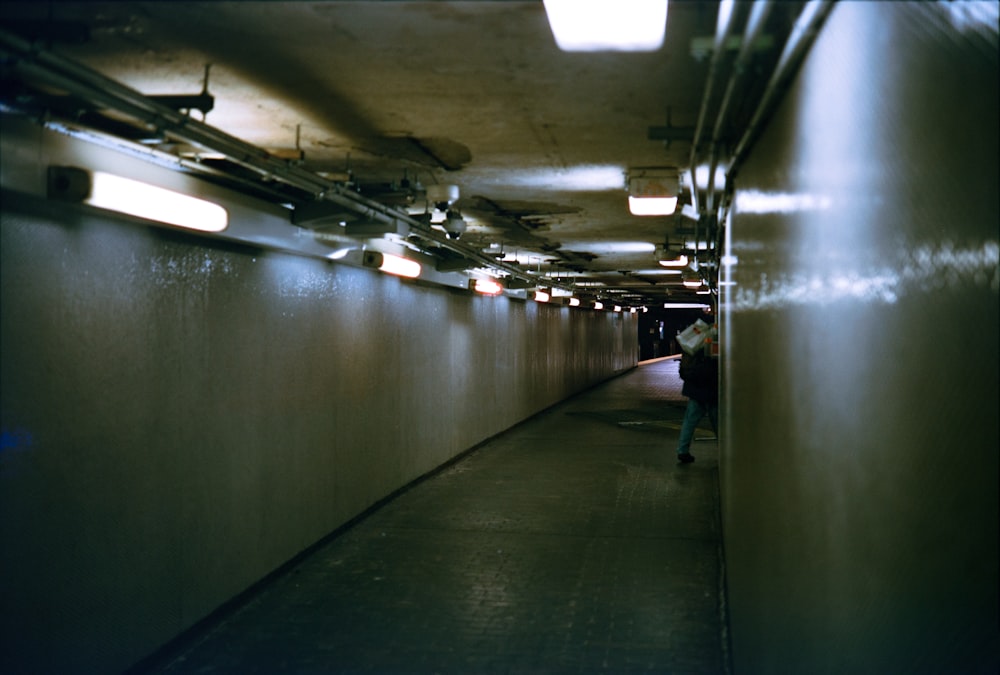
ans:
x=681 y=261
x=402 y=267
x=607 y=25
x=487 y=287
x=652 y=206
x=142 y=200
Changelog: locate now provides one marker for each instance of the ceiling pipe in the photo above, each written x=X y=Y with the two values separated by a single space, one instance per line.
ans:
x=755 y=24
x=723 y=23
x=80 y=81
x=800 y=39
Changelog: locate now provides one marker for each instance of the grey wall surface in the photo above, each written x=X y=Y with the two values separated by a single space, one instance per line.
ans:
x=182 y=416
x=859 y=462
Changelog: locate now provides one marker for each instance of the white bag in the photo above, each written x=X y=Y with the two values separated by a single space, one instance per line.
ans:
x=693 y=338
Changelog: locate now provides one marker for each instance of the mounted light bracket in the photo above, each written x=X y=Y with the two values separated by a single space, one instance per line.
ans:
x=515 y=284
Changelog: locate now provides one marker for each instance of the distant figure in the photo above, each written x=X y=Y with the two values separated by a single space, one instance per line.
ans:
x=700 y=373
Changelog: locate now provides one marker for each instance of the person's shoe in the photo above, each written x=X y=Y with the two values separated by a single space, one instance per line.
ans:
x=685 y=458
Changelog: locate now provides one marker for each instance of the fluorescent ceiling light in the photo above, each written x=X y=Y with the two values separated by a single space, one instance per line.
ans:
x=684 y=305
x=598 y=305
x=143 y=200
x=134 y=198
x=652 y=206
x=679 y=261
x=607 y=25
x=610 y=247
x=653 y=192
x=392 y=264
x=574 y=302
x=541 y=296
x=486 y=286
x=659 y=272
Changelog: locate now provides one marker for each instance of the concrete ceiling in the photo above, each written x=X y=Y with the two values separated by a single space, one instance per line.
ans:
x=392 y=97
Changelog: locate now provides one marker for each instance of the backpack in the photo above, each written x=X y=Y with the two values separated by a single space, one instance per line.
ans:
x=691 y=364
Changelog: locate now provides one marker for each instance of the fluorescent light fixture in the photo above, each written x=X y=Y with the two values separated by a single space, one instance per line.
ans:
x=659 y=272
x=692 y=282
x=392 y=264
x=574 y=302
x=135 y=198
x=651 y=206
x=541 y=296
x=598 y=305
x=679 y=261
x=485 y=286
x=684 y=305
x=618 y=308
x=607 y=25
x=609 y=247
x=653 y=192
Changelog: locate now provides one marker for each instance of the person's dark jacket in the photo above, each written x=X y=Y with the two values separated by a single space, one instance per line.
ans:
x=700 y=373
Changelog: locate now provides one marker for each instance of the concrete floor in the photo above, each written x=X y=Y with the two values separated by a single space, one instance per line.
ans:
x=572 y=543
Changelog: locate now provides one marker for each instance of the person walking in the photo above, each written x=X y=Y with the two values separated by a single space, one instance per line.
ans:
x=700 y=372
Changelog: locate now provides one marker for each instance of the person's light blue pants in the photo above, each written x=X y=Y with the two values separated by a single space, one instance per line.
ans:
x=692 y=415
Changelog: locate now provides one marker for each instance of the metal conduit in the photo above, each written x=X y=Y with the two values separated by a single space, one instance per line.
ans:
x=723 y=23
x=80 y=81
x=755 y=24
x=803 y=34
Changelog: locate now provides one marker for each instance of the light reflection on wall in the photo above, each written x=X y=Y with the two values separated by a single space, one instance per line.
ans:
x=755 y=201
x=920 y=270
x=972 y=17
